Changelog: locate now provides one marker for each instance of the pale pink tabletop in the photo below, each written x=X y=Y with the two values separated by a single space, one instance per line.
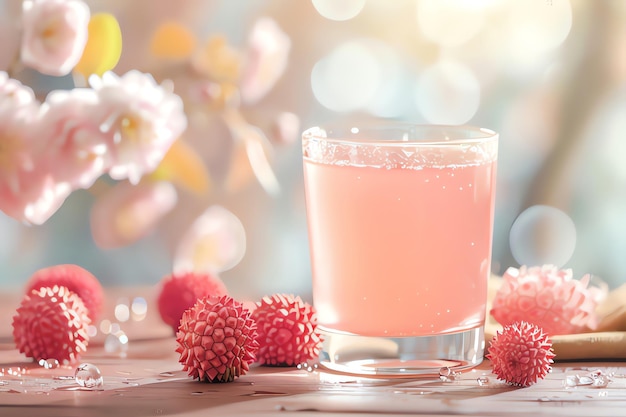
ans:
x=148 y=381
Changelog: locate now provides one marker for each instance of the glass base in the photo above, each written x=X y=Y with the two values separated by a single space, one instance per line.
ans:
x=420 y=356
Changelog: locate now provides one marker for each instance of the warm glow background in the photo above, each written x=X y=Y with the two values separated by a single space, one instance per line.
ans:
x=548 y=75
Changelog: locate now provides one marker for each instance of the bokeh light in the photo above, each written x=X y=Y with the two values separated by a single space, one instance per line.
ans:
x=535 y=27
x=542 y=235
x=528 y=144
x=116 y=343
x=450 y=22
x=612 y=127
x=92 y=330
x=139 y=308
x=390 y=98
x=447 y=92
x=215 y=242
x=338 y=10
x=105 y=326
x=122 y=312
x=348 y=78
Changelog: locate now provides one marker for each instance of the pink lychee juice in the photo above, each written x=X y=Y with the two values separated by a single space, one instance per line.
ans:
x=403 y=249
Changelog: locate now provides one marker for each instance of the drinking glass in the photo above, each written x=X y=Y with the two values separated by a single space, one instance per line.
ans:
x=400 y=223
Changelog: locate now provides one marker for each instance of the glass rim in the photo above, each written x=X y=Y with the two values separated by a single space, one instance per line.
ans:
x=474 y=134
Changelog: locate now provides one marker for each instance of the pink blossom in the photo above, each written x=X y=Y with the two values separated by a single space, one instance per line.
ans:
x=27 y=193
x=18 y=109
x=40 y=198
x=126 y=212
x=547 y=297
x=141 y=120
x=14 y=94
x=76 y=150
x=266 y=59
x=55 y=34
x=29 y=190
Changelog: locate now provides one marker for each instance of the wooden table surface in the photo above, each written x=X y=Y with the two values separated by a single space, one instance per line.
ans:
x=148 y=381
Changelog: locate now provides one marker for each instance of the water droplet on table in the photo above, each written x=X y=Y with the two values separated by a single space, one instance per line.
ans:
x=49 y=363
x=483 y=381
x=88 y=376
x=447 y=375
x=15 y=372
x=596 y=379
x=63 y=378
x=305 y=366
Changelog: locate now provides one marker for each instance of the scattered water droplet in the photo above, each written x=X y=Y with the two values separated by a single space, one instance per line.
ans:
x=307 y=366
x=483 y=381
x=596 y=379
x=263 y=393
x=63 y=378
x=412 y=392
x=88 y=376
x=601 y=381
x=570 y=381
x=49 y=363
x=17 y=371
x=448 y=375
x=168 y=374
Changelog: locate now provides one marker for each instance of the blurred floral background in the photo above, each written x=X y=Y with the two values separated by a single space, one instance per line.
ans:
x=235 y=82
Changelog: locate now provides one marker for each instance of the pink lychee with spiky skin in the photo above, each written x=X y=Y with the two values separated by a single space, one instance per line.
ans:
x=521 y=354
x=51 y=323
x=217 y=340
x=76 y=279
x=180 y=291
x=288 y=333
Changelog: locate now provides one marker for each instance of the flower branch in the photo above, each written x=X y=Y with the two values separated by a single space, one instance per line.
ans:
x=130 y=131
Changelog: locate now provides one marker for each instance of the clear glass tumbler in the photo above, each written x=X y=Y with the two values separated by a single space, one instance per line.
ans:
x=400 y=221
